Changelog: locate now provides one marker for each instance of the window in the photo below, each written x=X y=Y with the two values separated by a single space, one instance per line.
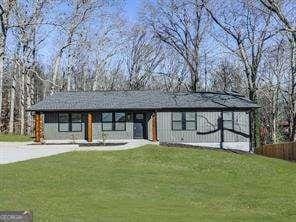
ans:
x=177 y=121
x=76 y=122
x=70 y=122
x=64 y=122
x=120 y=121
x=190 y=121
x=107 y=121
x=184 y=121
x=228 y=120
x=115 y=121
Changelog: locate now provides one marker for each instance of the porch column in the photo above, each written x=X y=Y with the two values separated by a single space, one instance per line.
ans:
x=38 y=126
x=89 y=127
x=154 y=127
x=41 y=127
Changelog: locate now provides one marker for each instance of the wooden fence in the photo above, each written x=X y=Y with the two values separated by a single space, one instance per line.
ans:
x=285 y=151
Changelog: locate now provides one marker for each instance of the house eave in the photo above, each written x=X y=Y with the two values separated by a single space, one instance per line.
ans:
x=147 y=109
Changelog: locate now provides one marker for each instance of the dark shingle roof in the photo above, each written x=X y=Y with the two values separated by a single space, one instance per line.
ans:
x=146 y=100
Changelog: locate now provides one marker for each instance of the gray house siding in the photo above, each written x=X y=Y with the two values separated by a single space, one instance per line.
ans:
x=51 y=132
x=127 y=134
x=208 y=132
x=241 y=124
x=51 y=128
x=112 y=135
x=206 y=121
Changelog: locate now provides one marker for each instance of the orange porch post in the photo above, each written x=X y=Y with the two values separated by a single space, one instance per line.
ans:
x=89 y=127
x=37 y=127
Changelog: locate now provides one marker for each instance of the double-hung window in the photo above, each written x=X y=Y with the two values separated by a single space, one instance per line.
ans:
x=183 y=121
x=114 y=121
x=107 y=121
x=70 y=122
x=76 y=121
x=119 y=121
x=177 y=121
x=228 y=120
x=190 y=118
x=64 y=122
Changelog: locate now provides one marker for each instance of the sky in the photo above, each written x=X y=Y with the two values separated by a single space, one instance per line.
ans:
x=131 y=8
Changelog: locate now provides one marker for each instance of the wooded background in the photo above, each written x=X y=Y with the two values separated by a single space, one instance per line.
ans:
x=247 y=46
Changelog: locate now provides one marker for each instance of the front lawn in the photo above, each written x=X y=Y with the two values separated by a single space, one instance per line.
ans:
x=14 y=138
x=151 y=184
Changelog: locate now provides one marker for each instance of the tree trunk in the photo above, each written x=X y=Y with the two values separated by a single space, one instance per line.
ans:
x=28 y=103
x=68 y=82
x=12 y=103
x=84 y=82
x=274 y=131
x=253 y=120
x=293 y=90
x=56 y=72
x=275 y=115
x=2 y=58
x=95 y=83
x=194 y=75
x=22 y=104
x=194 y=82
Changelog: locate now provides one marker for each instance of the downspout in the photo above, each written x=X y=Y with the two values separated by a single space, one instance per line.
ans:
x=250 y=134
x=221 y=130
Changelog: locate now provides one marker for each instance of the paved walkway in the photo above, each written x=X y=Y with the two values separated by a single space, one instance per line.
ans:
x=14 y=151
x=130 y=144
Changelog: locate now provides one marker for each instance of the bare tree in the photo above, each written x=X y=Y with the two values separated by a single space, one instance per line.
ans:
x=6 y=7
x=12 y=102
x=142 y=60
x=172 y=73
x=72 y=28
x=270 y=91
x=182 y=26
x=287 y=26
x=249 y=31
x=105 y=49
x=26 y=28
x=227 y=77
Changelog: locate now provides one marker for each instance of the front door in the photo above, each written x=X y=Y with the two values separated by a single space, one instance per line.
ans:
x=139 y=126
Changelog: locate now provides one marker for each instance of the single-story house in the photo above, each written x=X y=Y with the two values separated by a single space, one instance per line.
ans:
x=214 y=119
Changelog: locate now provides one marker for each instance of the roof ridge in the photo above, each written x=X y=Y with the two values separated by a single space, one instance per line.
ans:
x=151 y=90
x=88 y=91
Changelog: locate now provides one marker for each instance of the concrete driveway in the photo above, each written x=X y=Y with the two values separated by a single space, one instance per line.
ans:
x=11 y=152
x=14 y=152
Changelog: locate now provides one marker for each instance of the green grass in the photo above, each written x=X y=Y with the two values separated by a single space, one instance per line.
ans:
x=14 y=138
x=151 y=184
